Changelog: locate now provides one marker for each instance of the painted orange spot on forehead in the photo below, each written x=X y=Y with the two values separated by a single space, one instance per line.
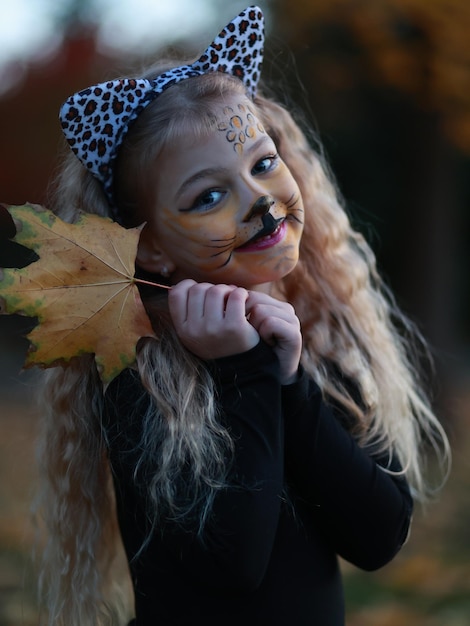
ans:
x=236 y=121
x=239 y=125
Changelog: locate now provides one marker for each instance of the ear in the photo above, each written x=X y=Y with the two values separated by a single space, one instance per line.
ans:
x=151 y=257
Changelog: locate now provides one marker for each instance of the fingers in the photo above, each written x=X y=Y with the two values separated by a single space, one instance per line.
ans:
x=279 y=326
x=261 y=313
x=264 y=311
x=276 y=331
x=178 y=301
x=191 y=300
x=210 y=320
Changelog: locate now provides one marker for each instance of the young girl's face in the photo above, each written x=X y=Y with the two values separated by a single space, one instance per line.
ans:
x=208 y=222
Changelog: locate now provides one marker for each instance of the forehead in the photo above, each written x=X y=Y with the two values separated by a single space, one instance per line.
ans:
x=234 y=115
x=239 y=123
x=195 y=154
x=228 y=126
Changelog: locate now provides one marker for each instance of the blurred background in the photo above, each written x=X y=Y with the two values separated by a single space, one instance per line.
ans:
x=386 y=85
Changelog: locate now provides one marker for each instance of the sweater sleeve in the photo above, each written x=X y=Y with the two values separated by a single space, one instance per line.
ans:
x=363 y=510
x=236 y=546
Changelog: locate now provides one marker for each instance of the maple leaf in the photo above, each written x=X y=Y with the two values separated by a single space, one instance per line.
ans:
x=82 y=289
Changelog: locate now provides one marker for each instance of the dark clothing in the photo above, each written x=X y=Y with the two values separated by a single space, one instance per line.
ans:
x=269 y=555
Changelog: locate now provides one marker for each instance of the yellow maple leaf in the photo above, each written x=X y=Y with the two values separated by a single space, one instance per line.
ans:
x=82 y=289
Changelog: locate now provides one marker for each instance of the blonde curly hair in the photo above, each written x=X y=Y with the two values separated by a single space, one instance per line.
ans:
x=357 y=345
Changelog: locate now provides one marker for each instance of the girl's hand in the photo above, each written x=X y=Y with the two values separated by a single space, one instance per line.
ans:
x=278 y=325
x=210 y=320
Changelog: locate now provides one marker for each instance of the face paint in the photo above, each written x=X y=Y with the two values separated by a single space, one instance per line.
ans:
x=239 y=126
x=204 y=218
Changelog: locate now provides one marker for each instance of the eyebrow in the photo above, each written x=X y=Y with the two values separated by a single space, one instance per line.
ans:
x=212 y=171
x=205 y=173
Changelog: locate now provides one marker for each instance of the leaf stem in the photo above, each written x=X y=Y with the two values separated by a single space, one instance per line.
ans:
x=148 y=282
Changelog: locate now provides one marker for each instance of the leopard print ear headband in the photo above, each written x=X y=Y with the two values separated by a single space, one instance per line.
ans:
x=96 y=120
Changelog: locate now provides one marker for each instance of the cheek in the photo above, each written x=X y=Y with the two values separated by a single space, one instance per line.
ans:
x=287 y=182
x=181 y=227
x=198 y=236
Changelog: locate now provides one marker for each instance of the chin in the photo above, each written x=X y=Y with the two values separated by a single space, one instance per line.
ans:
x=262 y=283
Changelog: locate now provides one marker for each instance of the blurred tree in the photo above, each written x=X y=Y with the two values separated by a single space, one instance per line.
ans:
x=420 y=47
x=389 y=84
x=30 y=129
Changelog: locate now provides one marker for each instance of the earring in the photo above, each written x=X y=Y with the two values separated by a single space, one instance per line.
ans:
x=165 y=272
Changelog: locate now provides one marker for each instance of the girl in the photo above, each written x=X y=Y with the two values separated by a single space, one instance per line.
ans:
x=275 y=422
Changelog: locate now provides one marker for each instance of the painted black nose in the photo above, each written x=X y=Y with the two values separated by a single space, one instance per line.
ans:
x=260 y=207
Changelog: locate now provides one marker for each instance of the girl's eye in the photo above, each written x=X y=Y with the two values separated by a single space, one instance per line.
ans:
x=206 y=200
x=265 y=164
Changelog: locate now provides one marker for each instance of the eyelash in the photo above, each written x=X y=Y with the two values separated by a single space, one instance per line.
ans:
x=272 y=158
x=199 y=205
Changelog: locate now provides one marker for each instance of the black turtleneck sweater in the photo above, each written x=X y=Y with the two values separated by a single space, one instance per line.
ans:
x=303 y=492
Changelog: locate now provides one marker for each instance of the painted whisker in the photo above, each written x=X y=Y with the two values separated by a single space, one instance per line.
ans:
x=295 y=217
x=293 y=200
x=226 y=246
x=226 y=239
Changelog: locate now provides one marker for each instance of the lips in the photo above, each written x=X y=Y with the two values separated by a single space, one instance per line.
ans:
x=262 y=241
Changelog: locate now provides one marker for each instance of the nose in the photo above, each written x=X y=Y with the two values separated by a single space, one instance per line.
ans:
x=260 y=207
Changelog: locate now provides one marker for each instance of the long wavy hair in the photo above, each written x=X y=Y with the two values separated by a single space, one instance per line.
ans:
x=357 y=345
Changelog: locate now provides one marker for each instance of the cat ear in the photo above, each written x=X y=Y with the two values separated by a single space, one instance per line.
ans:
x=96 y=120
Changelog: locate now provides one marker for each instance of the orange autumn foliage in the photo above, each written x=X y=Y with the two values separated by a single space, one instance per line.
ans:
x=419 y=47
x=82 y=289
